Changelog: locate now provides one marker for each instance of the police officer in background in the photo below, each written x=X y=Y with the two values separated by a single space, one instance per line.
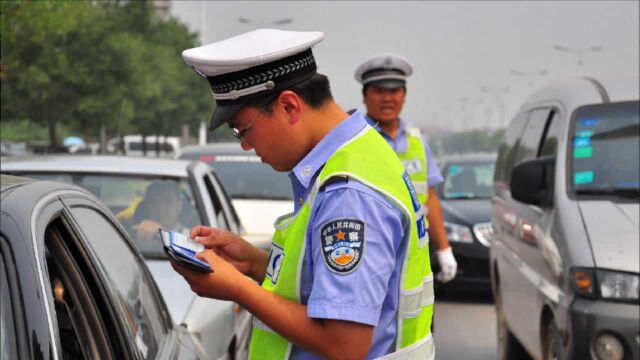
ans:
x=383 y=79
x=348 y=274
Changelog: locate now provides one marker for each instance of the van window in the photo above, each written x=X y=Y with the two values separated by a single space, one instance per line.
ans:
x=532 y=135
x=552 y=136
x=507 y=152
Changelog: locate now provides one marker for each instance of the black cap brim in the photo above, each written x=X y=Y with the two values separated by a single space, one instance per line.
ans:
x=223 y=114
x=388 y=83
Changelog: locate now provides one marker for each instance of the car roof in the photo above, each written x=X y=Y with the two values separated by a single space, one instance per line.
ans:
x=577 y=92
x=467 y=157
x=228 y=148
x=98 y=164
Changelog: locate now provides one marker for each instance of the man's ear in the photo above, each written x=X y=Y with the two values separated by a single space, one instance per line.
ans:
x=292 y=105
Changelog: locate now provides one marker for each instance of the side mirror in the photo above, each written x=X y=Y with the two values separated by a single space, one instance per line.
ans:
x=532 y=181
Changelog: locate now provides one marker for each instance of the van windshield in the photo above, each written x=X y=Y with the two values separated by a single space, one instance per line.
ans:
x=605 y=151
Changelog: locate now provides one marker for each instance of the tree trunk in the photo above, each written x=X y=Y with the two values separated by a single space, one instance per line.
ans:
x=103 y=139
x=144 y=144
x=53 y=136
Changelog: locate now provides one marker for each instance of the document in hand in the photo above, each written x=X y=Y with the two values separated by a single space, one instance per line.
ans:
x=182 y=250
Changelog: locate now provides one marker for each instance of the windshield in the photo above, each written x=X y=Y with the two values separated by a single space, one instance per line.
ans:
x=605 y=150
x=245 y=177
x=468 y=180
x=141 y=204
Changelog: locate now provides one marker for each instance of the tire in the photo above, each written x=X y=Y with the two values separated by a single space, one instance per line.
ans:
x=551 y=343
x=509 y=348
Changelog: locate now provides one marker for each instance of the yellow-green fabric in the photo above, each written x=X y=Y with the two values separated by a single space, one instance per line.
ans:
x=415 y=162
x=369 y=160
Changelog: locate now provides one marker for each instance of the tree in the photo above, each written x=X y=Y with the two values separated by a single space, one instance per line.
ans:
x=92 y=64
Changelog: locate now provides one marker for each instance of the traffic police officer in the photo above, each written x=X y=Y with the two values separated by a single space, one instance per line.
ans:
x=383 y=78
x=347 y=276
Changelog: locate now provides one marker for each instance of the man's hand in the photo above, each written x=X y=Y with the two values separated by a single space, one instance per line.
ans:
x=146 y=229
x=448 y=265
x=223 y=283
x=245 y=257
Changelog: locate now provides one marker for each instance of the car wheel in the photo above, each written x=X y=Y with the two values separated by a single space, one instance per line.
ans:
x=509 y=347
x=551 y=350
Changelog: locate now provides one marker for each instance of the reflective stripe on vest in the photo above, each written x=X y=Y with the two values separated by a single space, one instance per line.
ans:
x=368 y=159
x=415 y=162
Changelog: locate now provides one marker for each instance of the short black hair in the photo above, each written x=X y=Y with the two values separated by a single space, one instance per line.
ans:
x=315 y=92
x=366 y=86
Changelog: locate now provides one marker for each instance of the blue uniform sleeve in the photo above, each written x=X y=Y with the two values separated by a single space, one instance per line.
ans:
x=355 y=237
x=434 y=177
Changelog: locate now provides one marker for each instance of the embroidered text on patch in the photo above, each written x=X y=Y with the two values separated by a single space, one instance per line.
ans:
x=342 y=243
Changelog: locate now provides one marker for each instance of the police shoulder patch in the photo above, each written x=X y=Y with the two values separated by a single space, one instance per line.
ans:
x=342 y=243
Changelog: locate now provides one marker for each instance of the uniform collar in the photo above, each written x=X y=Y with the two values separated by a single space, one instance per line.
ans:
x=402 y=129
x=308 y=167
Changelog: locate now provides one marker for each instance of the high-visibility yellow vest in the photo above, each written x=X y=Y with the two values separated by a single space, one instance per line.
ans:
x=367 y=158
x=415 y=162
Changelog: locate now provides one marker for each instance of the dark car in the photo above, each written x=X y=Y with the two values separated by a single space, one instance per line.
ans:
x=465 y=196
x=72 y=284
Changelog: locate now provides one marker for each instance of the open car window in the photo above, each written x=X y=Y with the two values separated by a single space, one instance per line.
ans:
x=142 y=204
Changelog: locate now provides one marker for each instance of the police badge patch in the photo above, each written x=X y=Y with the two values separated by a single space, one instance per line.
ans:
x=342 y=243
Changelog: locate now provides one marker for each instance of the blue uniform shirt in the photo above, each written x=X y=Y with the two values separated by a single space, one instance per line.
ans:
x=368 y=294
x=399 y=144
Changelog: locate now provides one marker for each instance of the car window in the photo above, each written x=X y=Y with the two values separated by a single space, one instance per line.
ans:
x=532 y=135
x=128 y=281
x=232 y=215
x=141 y=204
x=508 y=150
x=468 y=180
x=7 y=327
x=245 y=177
x=552 y=136
x=605 y=150
x=221 y=217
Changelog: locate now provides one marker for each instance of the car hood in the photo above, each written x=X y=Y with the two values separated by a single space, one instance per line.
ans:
x=257 y=216
x=614 y=229
x=467 y=211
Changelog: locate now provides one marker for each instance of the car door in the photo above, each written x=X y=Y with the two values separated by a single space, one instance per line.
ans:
x=531 y=241
x=136 y=301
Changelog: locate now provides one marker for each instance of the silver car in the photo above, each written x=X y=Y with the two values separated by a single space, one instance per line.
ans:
x=260 y=195
x=565 y=261
x=147 y=194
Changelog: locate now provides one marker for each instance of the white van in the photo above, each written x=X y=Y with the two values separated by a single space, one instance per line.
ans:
x=169 y=145
x=565 y=257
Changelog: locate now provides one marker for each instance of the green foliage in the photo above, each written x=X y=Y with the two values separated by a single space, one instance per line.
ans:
x=84 y=64
x=466 y=142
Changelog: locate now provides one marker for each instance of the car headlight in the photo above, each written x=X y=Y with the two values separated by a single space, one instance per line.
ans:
x=458 y=233
x=484 y=233
x=606 y=284
x=618 y=285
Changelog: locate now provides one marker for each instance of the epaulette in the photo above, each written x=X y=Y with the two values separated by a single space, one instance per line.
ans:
x=334 y=179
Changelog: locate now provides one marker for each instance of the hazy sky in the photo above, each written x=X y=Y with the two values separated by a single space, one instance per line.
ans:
x=456 y=48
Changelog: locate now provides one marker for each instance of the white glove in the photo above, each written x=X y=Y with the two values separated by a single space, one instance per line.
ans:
x=448 y=265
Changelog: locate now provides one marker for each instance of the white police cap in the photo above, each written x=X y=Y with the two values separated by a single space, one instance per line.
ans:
x=385 y=70
x=252 y=65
